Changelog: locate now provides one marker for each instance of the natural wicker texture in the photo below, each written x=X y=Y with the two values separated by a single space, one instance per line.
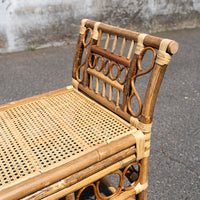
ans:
x=57 y=143
x=46 y=132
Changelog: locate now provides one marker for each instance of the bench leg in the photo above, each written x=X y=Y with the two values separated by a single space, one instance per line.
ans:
x=144 y=178
x=70 y=197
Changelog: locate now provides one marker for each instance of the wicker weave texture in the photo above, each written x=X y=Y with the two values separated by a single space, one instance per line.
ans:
x=41 y=134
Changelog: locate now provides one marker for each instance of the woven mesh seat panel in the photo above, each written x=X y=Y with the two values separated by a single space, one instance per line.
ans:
x=42 y=133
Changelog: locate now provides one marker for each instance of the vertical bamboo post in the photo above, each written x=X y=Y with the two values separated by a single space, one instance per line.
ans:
x=147 y=115
x=78 y=55
x=110 y=93
x=99 y=37
x=91 y=81
x=85 y=74
x=130 y=50
x=122 y=47
x=127 y=86
x=104 y=90
x=97 y=86
x=114 y=44
x=118 y=98
x=107 y=42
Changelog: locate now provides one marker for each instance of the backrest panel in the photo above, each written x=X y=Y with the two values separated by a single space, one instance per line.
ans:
x=112 y=64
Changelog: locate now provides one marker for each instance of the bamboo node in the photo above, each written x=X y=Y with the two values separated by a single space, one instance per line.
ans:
x=145 y=128
x=75 y=83
x=139 y=188
x=140 y=45
x=163 y=58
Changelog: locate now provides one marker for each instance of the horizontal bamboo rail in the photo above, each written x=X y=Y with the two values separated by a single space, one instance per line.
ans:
x=92 y=178
x=131 y=35
x=105 y=79
x=111 y=56
x=79 y=176
x=47 y=178
x=34 y=98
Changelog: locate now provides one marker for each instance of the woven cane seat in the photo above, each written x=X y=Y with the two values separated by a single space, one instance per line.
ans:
x=40 y=134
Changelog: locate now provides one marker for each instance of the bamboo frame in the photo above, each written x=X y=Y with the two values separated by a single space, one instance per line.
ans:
x=131 y=35
x=96 y=162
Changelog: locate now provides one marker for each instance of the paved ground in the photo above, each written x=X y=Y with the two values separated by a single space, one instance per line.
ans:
x=174 y=170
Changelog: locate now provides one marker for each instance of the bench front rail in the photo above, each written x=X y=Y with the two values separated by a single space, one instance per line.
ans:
x=55 y=144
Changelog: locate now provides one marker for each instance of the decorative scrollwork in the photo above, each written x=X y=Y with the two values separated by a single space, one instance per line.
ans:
x=134 y=91
x=87 y=32
x=107 y=67
x=121 y=188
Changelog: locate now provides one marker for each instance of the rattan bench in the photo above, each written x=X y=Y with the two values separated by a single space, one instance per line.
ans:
x=61 y=142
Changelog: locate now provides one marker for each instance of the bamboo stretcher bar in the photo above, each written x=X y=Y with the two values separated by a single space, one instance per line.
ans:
x=114 y=44
x=111 y=56
x=79 y=176
x=105 y=79
x=47 y=178
x=92 y=178
x=131 y=35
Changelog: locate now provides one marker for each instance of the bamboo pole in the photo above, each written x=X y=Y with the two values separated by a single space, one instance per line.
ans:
x=92 y=178
x=107 y=42
x=130 y=50
x=132 y=35
x=105 y=79
x=114 y=44
x=122 y=47
x=111 y=56
x=45 y=179
x=78 y=55
x=79 y=176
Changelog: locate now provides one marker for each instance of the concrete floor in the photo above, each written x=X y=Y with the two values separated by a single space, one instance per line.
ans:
x=174 y=168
